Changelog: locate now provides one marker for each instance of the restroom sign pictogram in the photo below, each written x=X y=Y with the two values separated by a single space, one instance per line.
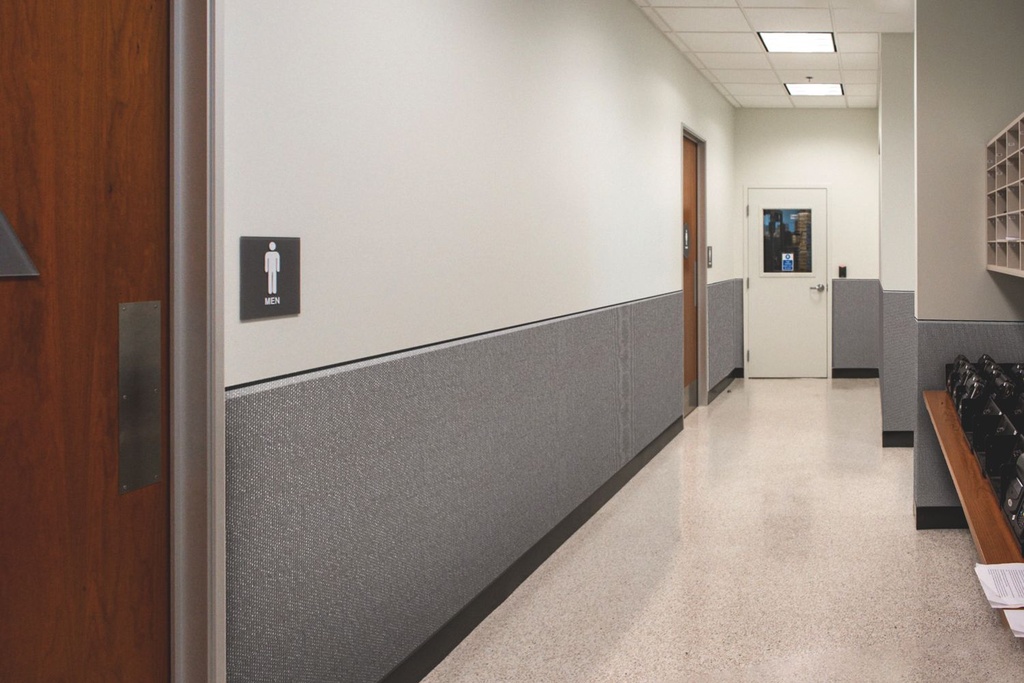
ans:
x=269 y=277
x=787 y=262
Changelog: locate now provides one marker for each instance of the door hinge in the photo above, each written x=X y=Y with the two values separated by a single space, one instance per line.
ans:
x=748 y=210
x=748 y=355
x=748 y=283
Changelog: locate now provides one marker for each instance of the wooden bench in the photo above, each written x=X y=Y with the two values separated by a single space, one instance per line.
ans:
x=990 y=530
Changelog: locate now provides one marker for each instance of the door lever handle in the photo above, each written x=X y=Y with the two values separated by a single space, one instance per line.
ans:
x=818 y=288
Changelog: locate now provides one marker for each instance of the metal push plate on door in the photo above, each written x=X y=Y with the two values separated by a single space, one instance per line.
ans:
x=14 y=260
x=139 y=412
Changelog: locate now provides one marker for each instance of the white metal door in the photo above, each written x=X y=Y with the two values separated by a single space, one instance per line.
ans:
x=787 y=299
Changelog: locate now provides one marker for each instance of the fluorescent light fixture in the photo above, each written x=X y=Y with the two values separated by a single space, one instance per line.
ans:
x=815 y=89
x=798 y=42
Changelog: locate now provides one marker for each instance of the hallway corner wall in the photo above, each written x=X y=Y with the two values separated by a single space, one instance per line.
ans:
x=897 y=324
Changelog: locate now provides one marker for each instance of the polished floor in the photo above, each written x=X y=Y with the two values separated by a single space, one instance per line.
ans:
x=773 y=540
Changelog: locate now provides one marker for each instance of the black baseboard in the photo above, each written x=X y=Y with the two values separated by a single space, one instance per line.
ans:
x=897 y=439
x=947 y=517
x=854 y=373
x=720 y=388
x=438 y=646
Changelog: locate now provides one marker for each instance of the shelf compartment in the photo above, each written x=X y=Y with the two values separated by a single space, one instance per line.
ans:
x=990 y=235
x=1001 y=201
x=1013 y=255
x=1000 y=148
x=1013 y=227
x=990 y=258
x=992 y=154
x=1013 y=198
x=1012 y=140
x=1012 y=169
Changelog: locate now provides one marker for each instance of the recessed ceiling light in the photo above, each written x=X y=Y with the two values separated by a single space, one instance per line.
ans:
x=815 y=89
x=798 y=42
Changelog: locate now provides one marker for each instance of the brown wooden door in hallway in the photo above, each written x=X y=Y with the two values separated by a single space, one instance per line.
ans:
x=690 y=283
x=84 y=585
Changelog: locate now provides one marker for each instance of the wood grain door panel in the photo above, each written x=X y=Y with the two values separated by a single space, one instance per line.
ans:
x=84 y=582
x=690 y=218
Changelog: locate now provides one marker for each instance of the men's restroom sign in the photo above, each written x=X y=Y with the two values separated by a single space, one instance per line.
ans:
x=269 y=277
x=787 y=262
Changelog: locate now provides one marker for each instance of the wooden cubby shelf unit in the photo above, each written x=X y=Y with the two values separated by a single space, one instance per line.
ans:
x=991 y=533
x=1004 y=206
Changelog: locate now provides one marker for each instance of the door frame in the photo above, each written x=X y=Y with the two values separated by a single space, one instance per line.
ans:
x=745 y=212
x=197 y=552
x=702 y=261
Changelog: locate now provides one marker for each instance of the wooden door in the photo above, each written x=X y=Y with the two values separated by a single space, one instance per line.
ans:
x=84 y=581
x=690 y=281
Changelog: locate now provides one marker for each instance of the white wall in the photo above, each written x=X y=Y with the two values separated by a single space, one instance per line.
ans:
x=837 y=148
x=897 y=167
x=455 y=166
x=969 y=87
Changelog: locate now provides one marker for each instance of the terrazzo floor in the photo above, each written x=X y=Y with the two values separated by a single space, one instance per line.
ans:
x=773 y=540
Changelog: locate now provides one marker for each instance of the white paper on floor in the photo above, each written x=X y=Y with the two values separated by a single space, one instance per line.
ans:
x=1015 y=618
x=1003 y=584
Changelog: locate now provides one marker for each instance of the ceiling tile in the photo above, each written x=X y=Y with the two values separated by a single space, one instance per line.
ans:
x=862 y=102
x=734 y=60
x=755 y=102
x=693 y=3
x=852 y=76
x=789 y=19
x=757 y=89
x=721 y=42
x=860 y=60
x=819 y=102
x=875 y=22
x=704 y=19
x=803 y=61
x=658 y=21
x=857 y=42
x=894 y=6
x=745 y=76
x=860 y=89
x=800 y=75
x=784 y=3
x=642 y=3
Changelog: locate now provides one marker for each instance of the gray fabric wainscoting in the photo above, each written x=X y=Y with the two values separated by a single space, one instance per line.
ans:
x=367 y=504
x=855 y=324
x=725 y=329
x=938 y=343
x=898 y=371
